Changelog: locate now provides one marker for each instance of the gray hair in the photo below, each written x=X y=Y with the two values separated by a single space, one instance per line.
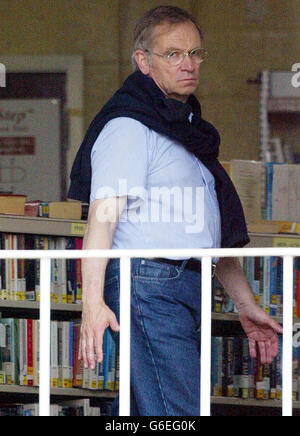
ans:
x=161 y=14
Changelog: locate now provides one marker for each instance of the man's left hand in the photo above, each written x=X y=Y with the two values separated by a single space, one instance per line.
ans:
x=262 y=330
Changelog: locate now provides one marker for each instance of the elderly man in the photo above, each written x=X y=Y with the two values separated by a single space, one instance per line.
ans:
x=151 y=135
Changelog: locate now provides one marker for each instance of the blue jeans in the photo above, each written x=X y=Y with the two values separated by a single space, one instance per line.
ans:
x=165 y=336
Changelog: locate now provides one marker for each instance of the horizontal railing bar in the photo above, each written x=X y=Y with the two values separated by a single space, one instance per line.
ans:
x=150 y=253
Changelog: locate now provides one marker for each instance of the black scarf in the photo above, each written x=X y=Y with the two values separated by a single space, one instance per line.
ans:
x=141 y=99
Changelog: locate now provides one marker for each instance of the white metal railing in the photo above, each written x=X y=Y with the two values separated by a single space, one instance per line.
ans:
x=125 y=256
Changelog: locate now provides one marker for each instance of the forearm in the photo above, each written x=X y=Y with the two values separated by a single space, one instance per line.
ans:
x=232 y=277
x=102 y=221
x=93 y=270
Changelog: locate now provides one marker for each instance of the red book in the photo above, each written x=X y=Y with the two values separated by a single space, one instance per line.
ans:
x=29 y=352
x=77 y=364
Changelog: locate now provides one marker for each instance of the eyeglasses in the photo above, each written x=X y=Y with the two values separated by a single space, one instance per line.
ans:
x=176 y=57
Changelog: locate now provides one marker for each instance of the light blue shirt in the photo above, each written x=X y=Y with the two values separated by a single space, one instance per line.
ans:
x=172 y=201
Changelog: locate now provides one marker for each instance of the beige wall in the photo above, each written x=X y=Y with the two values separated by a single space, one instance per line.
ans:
x=101 y=31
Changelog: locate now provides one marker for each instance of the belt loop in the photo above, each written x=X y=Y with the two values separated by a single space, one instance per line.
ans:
x=182 y=266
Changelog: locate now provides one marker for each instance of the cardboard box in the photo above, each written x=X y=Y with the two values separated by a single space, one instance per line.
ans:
x=286 y=193
x=246 y=176
x=65 y=209
x=264 y=226
x=12 y=204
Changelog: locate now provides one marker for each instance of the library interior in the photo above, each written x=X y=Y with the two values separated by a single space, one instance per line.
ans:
x=57 y=71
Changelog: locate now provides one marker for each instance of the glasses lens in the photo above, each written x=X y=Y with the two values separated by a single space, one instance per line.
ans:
x=198 y=55
x=175 y=57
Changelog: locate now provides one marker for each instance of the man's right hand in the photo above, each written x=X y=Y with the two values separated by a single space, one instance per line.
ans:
x=94 y=323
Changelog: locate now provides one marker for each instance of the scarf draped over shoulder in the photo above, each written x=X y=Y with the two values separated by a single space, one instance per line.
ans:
x=141 y=99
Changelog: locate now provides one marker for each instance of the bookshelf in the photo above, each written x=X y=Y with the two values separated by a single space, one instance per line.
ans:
x=12 y=389
x=75 y=228
x=41 y=226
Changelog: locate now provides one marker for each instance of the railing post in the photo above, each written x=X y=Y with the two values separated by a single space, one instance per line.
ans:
x=45 y=317
x=205 y=380
x=125 y=315
x=287 y=349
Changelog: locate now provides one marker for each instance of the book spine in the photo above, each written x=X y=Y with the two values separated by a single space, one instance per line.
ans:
x=112 y=357
x=78 y=246
x=71 y=340
x=70 y=290
x=77 y=364
x=62 y=271
x=266 y=381
x=36 y=335
x=60 y=353
x=259 y=380
x=245 y=380
x=30 y=269
x=54 y=354
x=273 y=285
x=14 y=269
x=37 y=246
x=16 y=350
x=237 y=377
x=266 y=288
x=279 y=371
x=106 y=360
x=29 y=352
x=65 y=354
x=273 y=380
x=21 y=269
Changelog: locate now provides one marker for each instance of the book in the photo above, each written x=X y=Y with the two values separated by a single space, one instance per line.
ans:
x=32 y=208
x=65 y=210
x=246 y=176
x=12 y=204
x=286 y=193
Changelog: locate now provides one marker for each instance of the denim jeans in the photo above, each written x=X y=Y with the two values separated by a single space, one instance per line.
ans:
x=165 y=336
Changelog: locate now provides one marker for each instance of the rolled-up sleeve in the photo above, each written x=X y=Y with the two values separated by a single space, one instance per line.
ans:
x=119 y=160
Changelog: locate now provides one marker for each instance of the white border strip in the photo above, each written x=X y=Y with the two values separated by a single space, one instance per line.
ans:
x=125 y=305
x=287 y=349
x=205 y=379
x=45 y=335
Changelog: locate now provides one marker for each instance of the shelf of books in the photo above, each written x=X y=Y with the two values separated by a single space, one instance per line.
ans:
x=237 y=380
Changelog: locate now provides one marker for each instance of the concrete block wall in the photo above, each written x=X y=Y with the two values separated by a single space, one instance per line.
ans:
x=243 y=37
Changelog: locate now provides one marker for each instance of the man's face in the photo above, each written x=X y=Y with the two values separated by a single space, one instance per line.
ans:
x=178 y=81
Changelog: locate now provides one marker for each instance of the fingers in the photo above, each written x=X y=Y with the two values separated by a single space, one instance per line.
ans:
x=252 y=348
x=268 y=350
x=91 y=339
x=90 y=352
x=90 y=347
x=263 y=352
x=99 y=346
